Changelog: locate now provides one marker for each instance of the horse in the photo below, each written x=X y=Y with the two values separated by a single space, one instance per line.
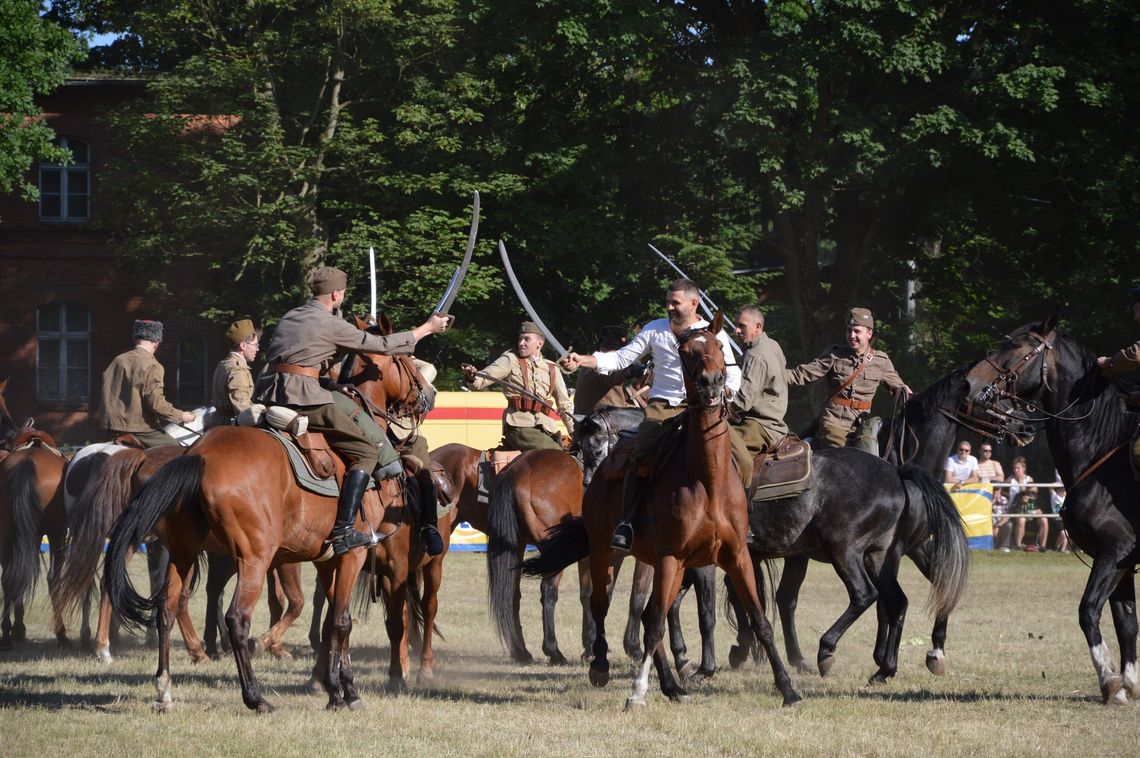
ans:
x=694 y=513
x=7 y=423
x=236 y=488
x=1040 y=373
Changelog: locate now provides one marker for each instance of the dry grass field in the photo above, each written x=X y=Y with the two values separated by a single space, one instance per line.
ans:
x=1019 y=682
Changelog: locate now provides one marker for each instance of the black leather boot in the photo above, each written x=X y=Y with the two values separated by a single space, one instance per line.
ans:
x=433 y=542
x=630 y=495
x=344 y=536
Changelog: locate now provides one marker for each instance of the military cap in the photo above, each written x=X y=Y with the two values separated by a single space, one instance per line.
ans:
x=147 y=330
x=612 y=333
x=327 y=279
x=240 y=331
x=529 y=327
x=860 y=317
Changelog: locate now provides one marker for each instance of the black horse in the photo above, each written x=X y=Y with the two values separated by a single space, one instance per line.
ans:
x=1041 y=374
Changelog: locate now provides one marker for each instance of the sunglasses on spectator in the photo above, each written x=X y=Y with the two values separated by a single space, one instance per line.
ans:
x=986 y=450
x=963 y=450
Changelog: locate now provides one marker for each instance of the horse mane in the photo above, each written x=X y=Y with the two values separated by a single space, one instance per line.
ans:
x=1109 y=421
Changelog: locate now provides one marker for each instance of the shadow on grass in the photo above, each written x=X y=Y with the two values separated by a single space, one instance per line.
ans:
x=55 y=700
x=926 y=696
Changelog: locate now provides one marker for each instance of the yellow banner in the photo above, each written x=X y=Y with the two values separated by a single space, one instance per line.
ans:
x=975 y=502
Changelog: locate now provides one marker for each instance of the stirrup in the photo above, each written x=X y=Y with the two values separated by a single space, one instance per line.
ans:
x=433 y=542
x=623 y=537
x=350 y=539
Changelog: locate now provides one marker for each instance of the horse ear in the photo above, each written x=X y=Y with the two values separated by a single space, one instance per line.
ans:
x=1051 y=322
x=718 y=322
x=385 y=324
x=361 y=324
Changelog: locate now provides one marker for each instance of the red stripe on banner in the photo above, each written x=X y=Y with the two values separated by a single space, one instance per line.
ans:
x=472 y=414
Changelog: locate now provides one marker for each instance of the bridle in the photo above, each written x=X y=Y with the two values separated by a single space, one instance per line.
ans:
x=708 y=400
x=370 y=371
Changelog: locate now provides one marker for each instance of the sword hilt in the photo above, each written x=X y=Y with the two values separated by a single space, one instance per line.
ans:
x=450 y=320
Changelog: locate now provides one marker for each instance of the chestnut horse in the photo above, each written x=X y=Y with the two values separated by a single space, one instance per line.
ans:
x=236 y=489
x=694 y=514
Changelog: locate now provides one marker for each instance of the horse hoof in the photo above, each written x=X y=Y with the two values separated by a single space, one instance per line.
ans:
x=104 y=656
x=355 y=705
x=635 y=705
x=20 y=633
x=254 y=647
x=425 y=678
x=334 y=704
x=280 y=652
x=264 y=707
x=877 y=678
x=397 y=686
x=737 y=655
x=635 y=654
x=599 y=677
x=64 y=643
x=522 y=657
x=163 y=706
x=199 y=657
x=679 y=695
x=792 y=698
x=825 y=663
x=557 y=658
x=314 y=686
x=688 y=670
x=936 y=662
x=1112 y=691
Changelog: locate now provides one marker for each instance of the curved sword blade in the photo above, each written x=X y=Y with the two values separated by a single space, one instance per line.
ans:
x=526 y=303
x=707 y=305
x=452 y=291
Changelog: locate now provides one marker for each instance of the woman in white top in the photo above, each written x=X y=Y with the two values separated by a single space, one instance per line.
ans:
x=1023 y=499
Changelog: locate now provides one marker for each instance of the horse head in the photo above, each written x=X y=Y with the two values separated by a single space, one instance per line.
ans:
x=1010 y=381
x=702 y=361
x=391 y=384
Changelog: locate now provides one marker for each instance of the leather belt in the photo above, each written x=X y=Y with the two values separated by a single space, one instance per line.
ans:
x=292 y=368
x=520 y=403
x=856 y=404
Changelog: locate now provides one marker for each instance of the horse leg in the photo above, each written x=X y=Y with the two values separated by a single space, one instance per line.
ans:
x=1123 y=605
x=638 y=599
x=745 y=639
x=219 y=571
x=157 y=561
x=320 y=630
x=787 y=598
x=936 y=656
x=685 y=667
x=172 y=593
x=601 y=587
x=189 y=633
x=85 y=616
x=549 y=596
x=319 y=593
x=743 y=576
x=58 y=555
x=705 y=584
x=397 y=623
x=861 y=594
x=1102 y=582
x=342 y=689
x=892 y=606
x=289 y=582
x=429 y=599
x=106 y=618
x=667 y=577
x=6 y=626
x=250 y=578
x=584 y=598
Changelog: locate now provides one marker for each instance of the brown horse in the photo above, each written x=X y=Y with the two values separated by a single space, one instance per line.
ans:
x=115 y=475
x=31 y=507
x=694 y=514
x=236 y=489
x=7 y=425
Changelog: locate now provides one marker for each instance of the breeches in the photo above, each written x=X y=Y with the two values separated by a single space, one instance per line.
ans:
x=529 y=438
x=748 y=439
x=649 y=432
x=343 y=436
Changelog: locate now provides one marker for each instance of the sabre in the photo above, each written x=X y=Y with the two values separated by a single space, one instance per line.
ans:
x=372 y=281
x=443 y=307
x=707 y=305
x=526 y=303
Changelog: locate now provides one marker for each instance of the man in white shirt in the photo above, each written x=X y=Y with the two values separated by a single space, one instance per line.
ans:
x=666 y=394
x=961 y=468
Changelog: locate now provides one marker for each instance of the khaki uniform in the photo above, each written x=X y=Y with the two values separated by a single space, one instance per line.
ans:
x=232 y=387
x=526 y=426
x=402 y=430
x=835 y=365
x=133 y=399
x=309 y=337
x=597 y=390
x=761 y=403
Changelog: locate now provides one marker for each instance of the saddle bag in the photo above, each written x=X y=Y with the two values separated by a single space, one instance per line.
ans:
x=782 y=472
x=317 y=453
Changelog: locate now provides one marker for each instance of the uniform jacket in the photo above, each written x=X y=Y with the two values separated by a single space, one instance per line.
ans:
x=133 y=399
x=507 y=367
x=763 y=391
x=596 y=390
x=232 y=388
x=834 y=365
x=310 y=336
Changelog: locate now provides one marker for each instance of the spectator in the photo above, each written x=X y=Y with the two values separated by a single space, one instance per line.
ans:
x=1057 y=498
x=990 y=470
x=1023 y=498
x=961 y=468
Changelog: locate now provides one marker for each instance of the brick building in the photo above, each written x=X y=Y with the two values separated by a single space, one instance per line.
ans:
x=65 y=308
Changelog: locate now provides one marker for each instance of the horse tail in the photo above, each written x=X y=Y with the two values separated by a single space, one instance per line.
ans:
x=23 y=569
x=89 y=522
x=178 y=482
x=566 y=543
x=503 y=561
x=947 y=551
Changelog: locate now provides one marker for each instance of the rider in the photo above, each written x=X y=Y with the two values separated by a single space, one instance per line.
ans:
x=526 y=426
x=762 y=401
x=233 y=382
x=1125 y=361
x=303 y=346
x=133 y=399
x=667 y=393
x=853 y=373
x=597 y=390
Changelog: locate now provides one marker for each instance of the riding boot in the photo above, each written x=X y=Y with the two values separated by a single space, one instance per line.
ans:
x=433 y=542
x=630 y=495
x=344 y=536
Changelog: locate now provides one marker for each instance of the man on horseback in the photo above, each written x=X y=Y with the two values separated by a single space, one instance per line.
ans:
x=597 y=390
x=133 y=399
x=233 y=382
x=1125 y=361
x=525 y=423
x=303 y=346
x=852 y=374
x=667 y=393
x=762 y=401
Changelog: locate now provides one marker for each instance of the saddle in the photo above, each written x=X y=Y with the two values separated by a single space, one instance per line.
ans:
x=319 y=458
x=29 y=437
x=616 y=463
x=782 y=472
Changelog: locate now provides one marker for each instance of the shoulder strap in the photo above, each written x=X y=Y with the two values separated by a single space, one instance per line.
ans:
x=854 y=375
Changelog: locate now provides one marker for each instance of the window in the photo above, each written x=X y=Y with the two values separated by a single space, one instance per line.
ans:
x=63 y=353
x=193 y=373
x=65 y=191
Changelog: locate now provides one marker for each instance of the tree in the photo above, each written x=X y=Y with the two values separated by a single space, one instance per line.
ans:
x=35 y=57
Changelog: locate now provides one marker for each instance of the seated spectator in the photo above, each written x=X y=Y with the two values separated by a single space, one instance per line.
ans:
x=1024 y=500
x=990 y=470
x=1057 y=497
x=961 y=468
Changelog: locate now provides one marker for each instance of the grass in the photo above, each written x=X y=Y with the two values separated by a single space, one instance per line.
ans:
x=1019 y=681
